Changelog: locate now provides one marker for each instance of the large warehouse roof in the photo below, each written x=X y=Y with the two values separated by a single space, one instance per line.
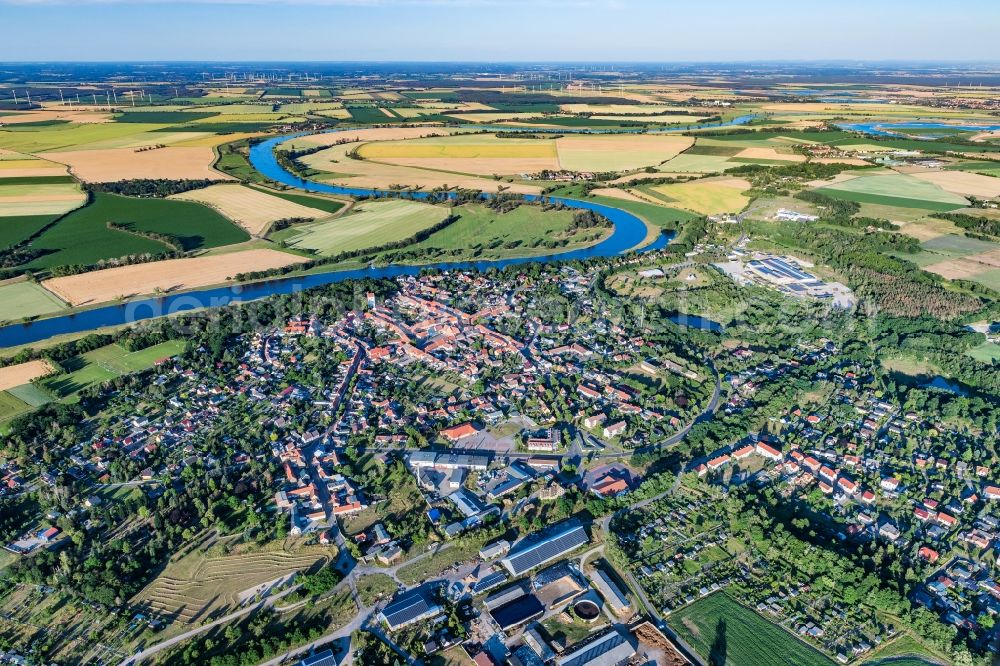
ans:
x=533 y=553
x=409 y=607
x=608 y=650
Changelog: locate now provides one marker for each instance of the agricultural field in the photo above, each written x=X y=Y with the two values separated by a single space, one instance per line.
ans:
x=355 y=135
x=209 y=578
x=166 y=276
x=475 y=154
x=334 y=166
x=611 y=152
x=482 y=233
x=725 y=632
x=323 y=203
x=24 y=300
x=895 y=190
x=23 y=373
x=962 y=183
x=21 y=198
x=11 y=407
x=113 y=164
x=103 y=364
x=83 y=237
x=252 y=209
x=955 y=257
x=707 y=196
x=488 y=154
x=373 y=223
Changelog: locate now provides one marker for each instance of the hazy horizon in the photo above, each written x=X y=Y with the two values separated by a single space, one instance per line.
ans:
x=568 y=31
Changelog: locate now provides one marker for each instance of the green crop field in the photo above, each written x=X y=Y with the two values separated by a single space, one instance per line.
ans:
x=895 y=190
x=68 y=136
x=11 y=407
x=105 y=363
x=688 y=162
x=376 y=223
x=163 y=116
x=83 y=237
x=26 y=299
x=483 y=233
x=31 y=394
x=658 y=216
x=319 y=203
x=958 y=246
x=18 y=228
x=736 y=636
x=236 y=165
x=36 y=180
x=369 y=114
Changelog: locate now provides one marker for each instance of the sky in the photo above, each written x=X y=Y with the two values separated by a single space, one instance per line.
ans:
x=498 y=30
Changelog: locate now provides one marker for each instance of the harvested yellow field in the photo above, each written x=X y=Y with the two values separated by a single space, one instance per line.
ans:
x=667 y=119
x=963 y=183
x=212 y=140
x=851 y=161
x=73 y=116
x=342 y=114
x=709 y=196
x=40 y=199
x=617 y=193
x=112 y=164
x=498 y=117
x=381 y=175
x=474 y=154
x=252 y=209
x=623 y=109
x=759 y=153
x=30 y=168
x=991 y=258
x=957 y=269
x=23 y=373
x=369 y=134
x=164 y=276
x=461 y=146
x=927 y=229
x=618 y=152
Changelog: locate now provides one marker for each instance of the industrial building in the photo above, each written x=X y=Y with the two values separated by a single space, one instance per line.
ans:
x=611 y=649
x=408 y=608
x=538 y=549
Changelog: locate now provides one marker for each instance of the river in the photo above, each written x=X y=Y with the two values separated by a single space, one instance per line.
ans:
x=628 y=234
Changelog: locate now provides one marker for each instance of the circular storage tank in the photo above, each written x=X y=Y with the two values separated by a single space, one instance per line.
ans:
x=587 y=610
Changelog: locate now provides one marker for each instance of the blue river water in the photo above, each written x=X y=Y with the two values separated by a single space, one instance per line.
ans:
x=886 y=128
x=628 y=234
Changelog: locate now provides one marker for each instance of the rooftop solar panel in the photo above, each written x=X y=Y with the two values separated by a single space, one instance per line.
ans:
x=536 y=554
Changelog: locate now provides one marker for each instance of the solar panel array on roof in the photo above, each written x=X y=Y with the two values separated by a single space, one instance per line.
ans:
x=324 y=658
x=518 y=612
x=546 y=550
x=408 y=608
x=608 y=650
x=508 y=594
x=488 y=582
